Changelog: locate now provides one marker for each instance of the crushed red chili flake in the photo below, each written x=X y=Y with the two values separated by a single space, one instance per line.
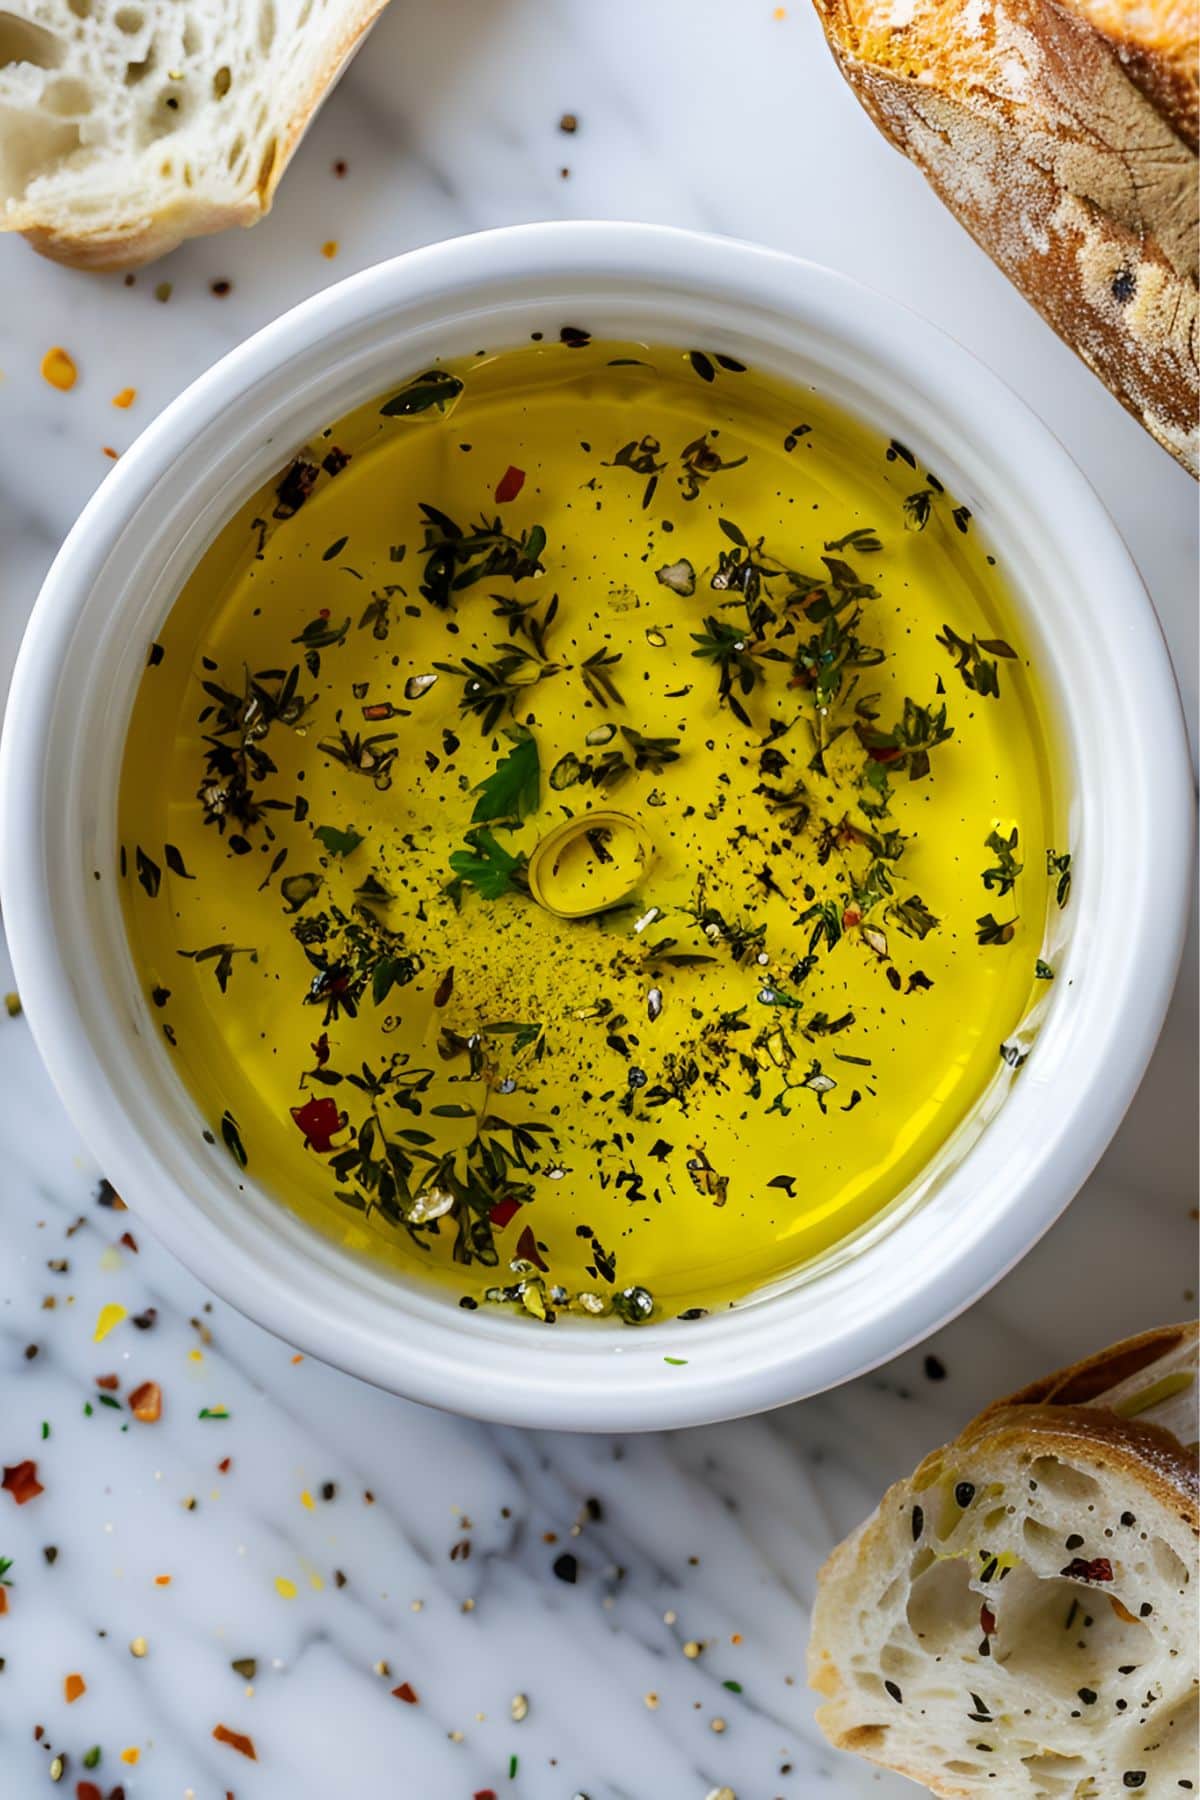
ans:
x=528 y=1249
x=110 y=1383
x=406 y=1692
x=503 y=1213
x=509 y=484
x=1080 y=1569
x=236 y=1740
x=334 y=461
x=145 y=1402
x=129 y=1241
x=987 y=1621
x=224 y=1466
x=87 y=1790
x=484 y=1794
x=318 y=1119
x=22 y=1482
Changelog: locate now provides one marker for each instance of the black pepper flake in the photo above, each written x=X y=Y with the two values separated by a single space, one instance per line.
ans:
x=1074 y=1541
x=1088 y=1696
x=894 y=1691
x=51 y=1554
x=1124 y=287
x=566 y=1567
x=144 y=1321
x=467 y=1304
x=1127 y=1518
x=574 y=337
x=964 y=1493
x=1134 y=1778
x=935 y=1368
x=918 y=1522
x=154 y=656
x=220 y=288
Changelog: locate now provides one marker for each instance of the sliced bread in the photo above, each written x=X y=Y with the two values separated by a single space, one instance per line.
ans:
x=129 y=125
x=1019 y=1618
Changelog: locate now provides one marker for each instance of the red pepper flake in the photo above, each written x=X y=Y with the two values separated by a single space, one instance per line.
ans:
x=503 y=1213
x=110 y=1383
x=220 y=288
x=527 y=1248
x=406 y=1692
x=1080 y=1569
x=224 y=1466
x=510 y=484
x=341 y=168
x=129 y=1241
x=87 y=1790
x=3 y=1601
x=379 y=709
x=987 y=1621
x=73 y=1687
x=22 y=1482
x=111 y=454
x=851 y=917
x=318 y=1119
x=484 y=1794
x=236 y=1741
x=145 y=1403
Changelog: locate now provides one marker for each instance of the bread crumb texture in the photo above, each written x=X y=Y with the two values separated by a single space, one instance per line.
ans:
x=1020 y=1617
x=1069 y=152
x=129 y=125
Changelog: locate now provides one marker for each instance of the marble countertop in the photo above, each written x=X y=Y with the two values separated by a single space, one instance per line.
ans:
x=392 y=1604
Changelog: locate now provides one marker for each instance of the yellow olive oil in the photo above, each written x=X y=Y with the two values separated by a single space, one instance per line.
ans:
x=588 y=829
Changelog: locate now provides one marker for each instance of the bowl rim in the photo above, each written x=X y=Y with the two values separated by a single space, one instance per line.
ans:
x=745 y=1366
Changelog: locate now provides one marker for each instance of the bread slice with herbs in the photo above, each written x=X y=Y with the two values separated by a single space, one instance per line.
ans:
x=1020 y=1618
x=129 y=125
x=1063 y=135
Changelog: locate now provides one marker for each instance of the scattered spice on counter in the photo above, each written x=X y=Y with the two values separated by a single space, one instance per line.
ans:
x=220 y=288
x=58 y=368
x=212 y=1412
x=569 y=123
x=329 y=249
x=131 y=1756
x=284 y=1588
x=22 y=1482
x=138 y=1647
x=73 y=1687
x=12 y=1005
x=125 y=398
x=162 y=1581
x=109 y=1318
x=163 y=292
x=236 y=1740
x=246 y=1667
x=405 y=1692
x=341 y=168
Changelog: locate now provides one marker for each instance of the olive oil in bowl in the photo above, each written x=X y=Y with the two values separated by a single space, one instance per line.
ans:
x=588 y=830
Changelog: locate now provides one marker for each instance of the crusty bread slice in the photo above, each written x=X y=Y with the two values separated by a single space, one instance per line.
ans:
x=1020 y=1617
x=129 y=125
x=1062 y=133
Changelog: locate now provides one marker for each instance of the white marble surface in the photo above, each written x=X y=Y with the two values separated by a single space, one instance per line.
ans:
x=711 y=113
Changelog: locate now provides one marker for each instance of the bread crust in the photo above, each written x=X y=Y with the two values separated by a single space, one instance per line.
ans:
x=119 y=243
x=1038 y=132
x=1062 y=1415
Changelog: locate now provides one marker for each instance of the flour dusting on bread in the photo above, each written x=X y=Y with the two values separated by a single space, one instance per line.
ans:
x=1068 y=169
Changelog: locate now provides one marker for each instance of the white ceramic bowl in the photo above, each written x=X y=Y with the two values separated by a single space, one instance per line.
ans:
x=1094 y=637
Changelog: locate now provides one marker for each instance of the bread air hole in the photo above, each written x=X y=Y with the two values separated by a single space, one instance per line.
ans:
x=129 y=19
x=68 y=98
x=1062 y=1635
x=21 y=41
x=1060 y=1481
x=1057 y=1774
x=942 y=1608
x=30 y=147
